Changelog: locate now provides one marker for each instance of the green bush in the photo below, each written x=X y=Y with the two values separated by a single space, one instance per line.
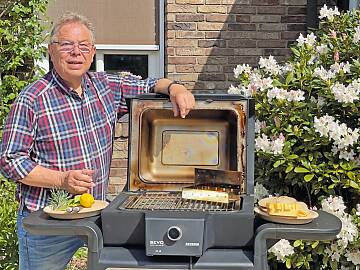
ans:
x=8 y=237
x=308 y=119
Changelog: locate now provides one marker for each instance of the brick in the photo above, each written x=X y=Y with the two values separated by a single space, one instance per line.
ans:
x=189 y=17
x=211 y=43
x=170 y=68
x=293 y=2
x=240 y=9
x=181 y=26
x=238 y=35
x=272 y=43
x=265 y=2
x=190 y=34
x=181 y=60
x=290 y=35
x=242 y=43
x=219 y=18
x=275 y=52
x=293 y=19
x=268 y=35
x=242 y=18
x=190 y=51
x=266 y=18
x=220 y=51
x=120 y=172
x=296 y=27
x=187 y=77
x=181 y=8
x=170 y=33
x=212 y=35
x=241 y=27
x=185 y=68
x=271 y=27
x=212 y=68
x=181 y=43
x=119 y=163
x=236 y=2
x=212 y=9
x=193 y=2
x=296 y=10
x=170 y=17
x=248 y=51
x=170 y=51
x=238 y=60
x=271 y=10
x=212 y=60
x=211 y=77
x=213 y=2
x=206 y=26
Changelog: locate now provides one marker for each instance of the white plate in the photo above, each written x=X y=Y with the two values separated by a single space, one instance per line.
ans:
x=287 y=220
x=94 y=210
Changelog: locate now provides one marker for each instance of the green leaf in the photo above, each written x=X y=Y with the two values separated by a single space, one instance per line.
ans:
x=297 y=243
x=293 y=156
x=289 y=168
x=301 y=170
x=288 y=263
x=308 y=177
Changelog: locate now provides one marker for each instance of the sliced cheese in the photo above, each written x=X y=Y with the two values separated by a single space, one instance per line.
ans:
x=286 y=209
x=205 y=195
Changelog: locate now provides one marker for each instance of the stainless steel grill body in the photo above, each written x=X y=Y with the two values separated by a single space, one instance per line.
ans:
x=164 y=153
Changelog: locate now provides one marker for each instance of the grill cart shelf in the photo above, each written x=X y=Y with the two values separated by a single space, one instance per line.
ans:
x=101 y=257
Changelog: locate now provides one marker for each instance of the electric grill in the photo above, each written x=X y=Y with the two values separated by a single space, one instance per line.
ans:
x=212 y=149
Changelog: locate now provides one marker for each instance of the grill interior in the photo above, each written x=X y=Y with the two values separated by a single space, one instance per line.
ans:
x=173 y=201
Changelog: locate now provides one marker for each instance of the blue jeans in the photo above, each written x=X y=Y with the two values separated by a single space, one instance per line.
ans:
x=39 y=252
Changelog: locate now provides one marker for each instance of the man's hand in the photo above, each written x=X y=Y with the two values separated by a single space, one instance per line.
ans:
x=78 y=181
x=182 y=100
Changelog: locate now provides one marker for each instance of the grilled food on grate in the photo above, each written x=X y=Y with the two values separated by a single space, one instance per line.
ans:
x=205 y=195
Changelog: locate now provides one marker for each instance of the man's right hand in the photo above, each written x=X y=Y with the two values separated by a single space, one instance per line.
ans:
x=78 y=181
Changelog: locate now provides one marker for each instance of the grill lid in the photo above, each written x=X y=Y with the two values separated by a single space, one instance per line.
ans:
x=164 y=151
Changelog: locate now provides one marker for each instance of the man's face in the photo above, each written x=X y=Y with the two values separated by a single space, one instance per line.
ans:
x=72 y=52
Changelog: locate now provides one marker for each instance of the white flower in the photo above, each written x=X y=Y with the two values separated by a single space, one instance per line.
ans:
x=345 y=94
x=244 y=68
x=260 y=192
x=358 y=209
x=323 y=74
x=266 y=145
x=282 y=249
x=270 y=65
x=353 y=256
x=356 y=37
x=301 y=40
x=334 y=205
x=234 y=90
x=322 y=49
x=328 y=13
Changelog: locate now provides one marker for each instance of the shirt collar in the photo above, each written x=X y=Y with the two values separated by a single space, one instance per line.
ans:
x=62 y=84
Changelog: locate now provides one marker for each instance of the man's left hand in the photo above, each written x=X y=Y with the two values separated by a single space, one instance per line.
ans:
x=182 y=100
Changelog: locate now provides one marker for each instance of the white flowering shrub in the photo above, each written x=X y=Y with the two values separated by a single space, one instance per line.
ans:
x=308 y=128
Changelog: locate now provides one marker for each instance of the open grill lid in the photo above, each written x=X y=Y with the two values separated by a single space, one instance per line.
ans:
x=165 y=151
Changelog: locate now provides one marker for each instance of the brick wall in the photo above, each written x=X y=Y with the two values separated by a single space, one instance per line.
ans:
x=206 y=39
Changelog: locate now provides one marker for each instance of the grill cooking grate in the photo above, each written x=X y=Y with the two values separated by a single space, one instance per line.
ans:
x=173 y=201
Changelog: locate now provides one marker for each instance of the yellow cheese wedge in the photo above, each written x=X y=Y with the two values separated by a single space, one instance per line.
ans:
x=205 y=195
x=286 y=209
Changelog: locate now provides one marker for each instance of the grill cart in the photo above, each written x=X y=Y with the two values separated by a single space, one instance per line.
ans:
x=158 y=221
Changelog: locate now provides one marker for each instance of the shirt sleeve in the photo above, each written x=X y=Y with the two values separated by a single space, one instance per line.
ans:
x=129 y=86
x=17 y=140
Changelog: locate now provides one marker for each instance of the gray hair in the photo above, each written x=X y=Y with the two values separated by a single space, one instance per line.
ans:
x=71 y=17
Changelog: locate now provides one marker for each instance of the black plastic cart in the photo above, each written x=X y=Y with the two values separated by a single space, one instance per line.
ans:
x=101 y=257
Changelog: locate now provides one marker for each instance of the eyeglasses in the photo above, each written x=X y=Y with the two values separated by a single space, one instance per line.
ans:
x=69 y=46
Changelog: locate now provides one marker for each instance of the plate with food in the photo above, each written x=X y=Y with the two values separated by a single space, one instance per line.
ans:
x=62 y=206
x=285 y=210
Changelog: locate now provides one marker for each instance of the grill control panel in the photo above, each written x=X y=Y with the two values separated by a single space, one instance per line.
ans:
x=173 y=235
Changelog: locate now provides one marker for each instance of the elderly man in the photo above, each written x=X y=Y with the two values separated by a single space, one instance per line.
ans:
x=60 y=131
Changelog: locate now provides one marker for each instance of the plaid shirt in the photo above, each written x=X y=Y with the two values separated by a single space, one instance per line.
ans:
x=52 y=126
